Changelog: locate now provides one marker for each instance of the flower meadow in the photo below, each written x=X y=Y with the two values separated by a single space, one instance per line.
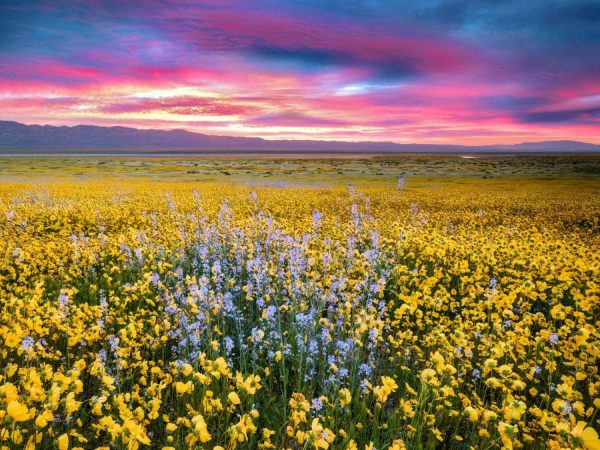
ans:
x=223 y=316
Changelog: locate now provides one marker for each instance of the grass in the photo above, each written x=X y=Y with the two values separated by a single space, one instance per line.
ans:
x=301 y=170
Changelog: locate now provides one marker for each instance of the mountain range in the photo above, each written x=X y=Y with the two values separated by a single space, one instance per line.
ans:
x=16 y=137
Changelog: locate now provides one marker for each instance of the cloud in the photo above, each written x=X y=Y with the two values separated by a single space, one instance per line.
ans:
x=179 y=106
x=584 y=116
x=453 y=70
x=295 y=119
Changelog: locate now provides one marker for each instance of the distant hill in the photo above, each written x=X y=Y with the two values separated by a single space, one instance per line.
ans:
x=552 y=146
x=17 y=137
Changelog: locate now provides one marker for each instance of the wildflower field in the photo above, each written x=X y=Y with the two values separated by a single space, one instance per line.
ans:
x=431 y=313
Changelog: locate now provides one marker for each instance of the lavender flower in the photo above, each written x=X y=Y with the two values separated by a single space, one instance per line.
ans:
x=27 y=343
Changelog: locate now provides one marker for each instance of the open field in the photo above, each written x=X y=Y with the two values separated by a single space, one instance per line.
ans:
x=305 y=168
x=221 y=304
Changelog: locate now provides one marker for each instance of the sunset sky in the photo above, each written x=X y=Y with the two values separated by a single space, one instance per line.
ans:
x=427 y=71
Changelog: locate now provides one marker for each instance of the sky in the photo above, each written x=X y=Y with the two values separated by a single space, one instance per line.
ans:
x=428 y=71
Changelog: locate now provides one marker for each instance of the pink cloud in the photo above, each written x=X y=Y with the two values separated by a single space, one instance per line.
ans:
x=274 y=73
x=180 y=106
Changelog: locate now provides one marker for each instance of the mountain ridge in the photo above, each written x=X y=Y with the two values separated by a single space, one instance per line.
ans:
x=16 y=136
